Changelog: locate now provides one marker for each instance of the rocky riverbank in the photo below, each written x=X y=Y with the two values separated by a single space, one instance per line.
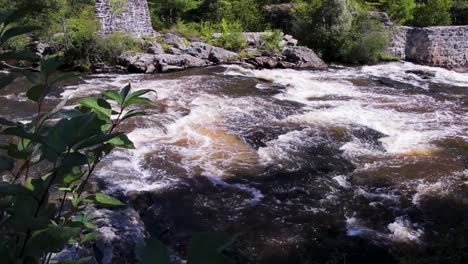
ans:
x=180 y=54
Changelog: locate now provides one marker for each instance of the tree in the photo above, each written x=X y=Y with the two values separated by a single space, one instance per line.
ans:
x=433 y=13
x=400 y=11
x=322 y=25
x=170 y=11
x=460 y=12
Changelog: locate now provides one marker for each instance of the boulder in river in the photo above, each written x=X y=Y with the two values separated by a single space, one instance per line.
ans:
x=208 y=52
x=303 y=57
x=155 y=48
x=174 y=40
x=152 y=63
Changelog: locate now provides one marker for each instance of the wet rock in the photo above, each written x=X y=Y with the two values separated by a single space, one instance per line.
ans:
x=423 y=74
x=174 y=40
x=263 y=62
x=173 y=51
x=290 y=40
x=41 y=49
x=152 y=63
x=303 y=57
x=208 y=52
x=155 y=48
x=121 y=231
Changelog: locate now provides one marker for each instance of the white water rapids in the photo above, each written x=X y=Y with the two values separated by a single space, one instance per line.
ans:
x=364 y=146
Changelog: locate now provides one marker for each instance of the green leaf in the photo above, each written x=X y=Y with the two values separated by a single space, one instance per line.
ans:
x=124 y=92
x=71 y=175
x=90 y=237
x=95 y=140
x=98 y=105
x=6 y=122
x=31 y=76
x=133 y=113
x=9 y=189
x=113 y=95
x=50 y=65
x=64 y=76
x=152 y=252
x=134 y=98
x=16 y=31
x=140 y=93
x=121 y=141
x=5 y=81
x=52 y=239
x=68 y=132
x=137 y=101
x=206 y=248
x=22 y=133
x=6 y=164
x=104 y=199
x=74 y=159
x=37 y=92
x=17 y=153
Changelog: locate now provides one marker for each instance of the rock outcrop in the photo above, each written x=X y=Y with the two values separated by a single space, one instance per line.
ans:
x=199 y=54
x=435 y=46
x=134 y=18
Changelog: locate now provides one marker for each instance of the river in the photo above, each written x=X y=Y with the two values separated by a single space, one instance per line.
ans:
x=343 y=165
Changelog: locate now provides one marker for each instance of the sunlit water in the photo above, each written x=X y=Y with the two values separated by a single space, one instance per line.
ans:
x=286 y=159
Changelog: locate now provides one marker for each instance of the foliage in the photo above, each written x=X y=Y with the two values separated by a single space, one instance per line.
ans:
x=331 y=20
x=168 y=12
x=34 y=223
x=232 y=36
x=191 y=30
x=111 y=47
x=460 y=12
x=400 y=11
x=365 y=42
x=246 y=12
x=271 y=40
x=432 y=13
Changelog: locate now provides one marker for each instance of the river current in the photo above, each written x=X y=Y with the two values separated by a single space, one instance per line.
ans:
x=347 y=163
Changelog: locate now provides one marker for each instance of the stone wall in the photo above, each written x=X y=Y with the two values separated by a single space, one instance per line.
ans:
x=135 y=19
x=436 y=46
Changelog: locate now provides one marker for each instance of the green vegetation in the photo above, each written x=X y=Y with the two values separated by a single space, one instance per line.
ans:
x=271 y=40
x=42 y=211
x=231 y=36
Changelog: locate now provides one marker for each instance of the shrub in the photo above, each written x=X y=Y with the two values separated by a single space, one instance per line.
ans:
x=400 y=11
x=432 y=13
x=207 y=30
x=190 y=30
x=109 y=48
x=330 y=20
x=365 y=42
x=232 y=36
x=271 y=41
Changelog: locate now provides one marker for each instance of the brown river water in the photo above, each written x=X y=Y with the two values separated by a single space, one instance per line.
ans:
x=345 y=165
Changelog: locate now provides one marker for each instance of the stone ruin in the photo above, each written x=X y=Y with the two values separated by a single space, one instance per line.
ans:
x=134 y=19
